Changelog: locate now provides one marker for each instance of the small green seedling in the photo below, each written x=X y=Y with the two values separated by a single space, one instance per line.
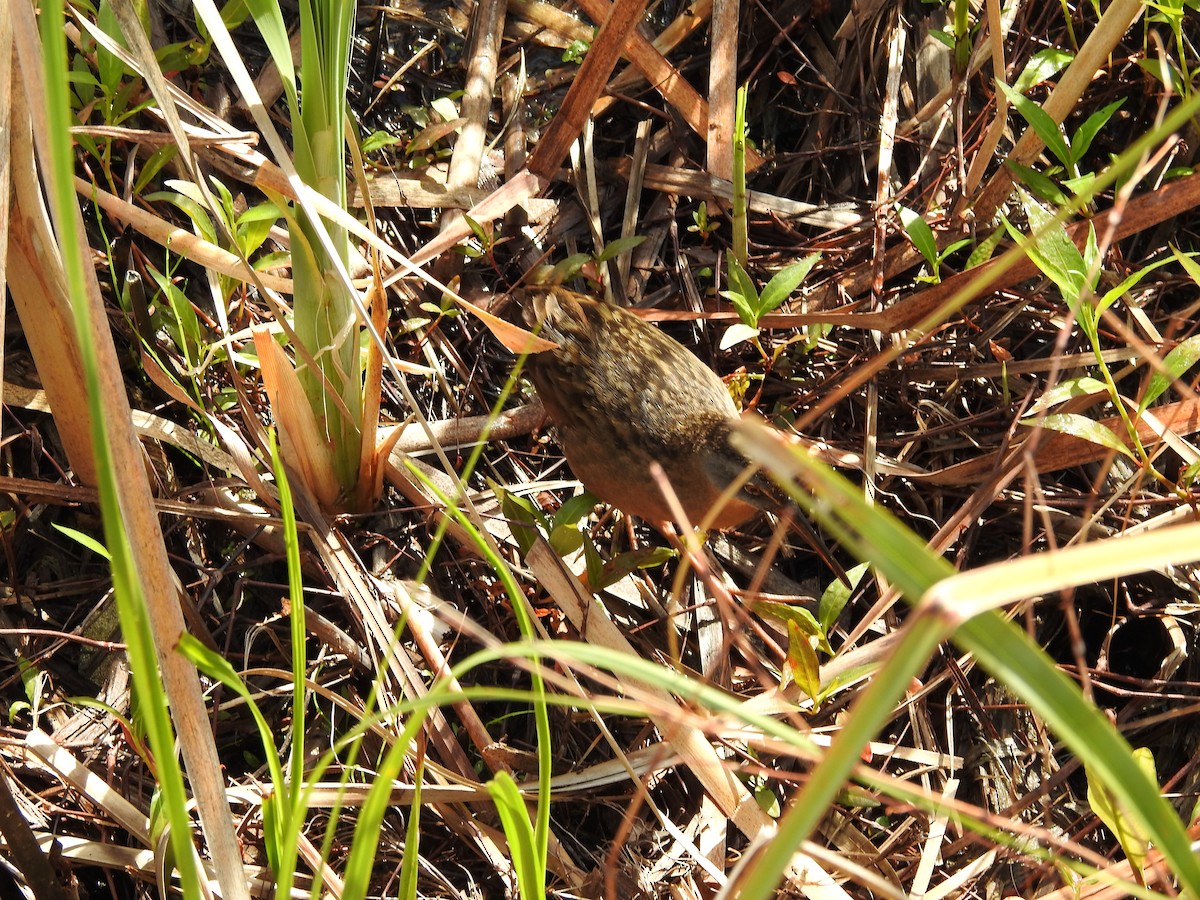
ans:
x=923 y=239
x=751 y=306
x=701 y=223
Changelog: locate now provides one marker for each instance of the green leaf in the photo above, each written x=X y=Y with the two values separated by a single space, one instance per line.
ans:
x=920 y=234
x=565 y=539
x=742 y=294
x=1084 y=386
x=566 y=528
x=594 y=564
x=953 y=247
x=767 y=799
x=741 y=283
x=1086 y=133
x=837 y=595
x=1083 y=428
x=1161 y=68
x=110 y=67
x=476 y=229
x=433 y=134
x=786 y=280
x=1040 y=184
x=1181 y=358
x=189 y=206
x=1041 y=122
x=1188 y=261
x=226 y=198
x=577 y=509
x=271 y=261
x=85 y=540
x=216 y=666
x=377 y=140
x=630 y=561
x=254 y=226
x=942 y=37
x=794 y=615
x=153 y=165
x=740 y=251
x=736 y=333
x=523 y=518
x=32 y=682
x=1043 y=65
x=575 y=51
x=406 y=884
x=1092 y=260
x=568 y=268
x=234 y=13
x=260 y=212
x=82 y=78
x=445 y=106
x=983 y=251
x=1130 y=282
x=184 y=326
x=1190 y=475
x=182 y=55
x=17 y=708
x=619 y=246
x=802 y=664
x=1081 y=185
x=1113 y=814
x=519 y=831
x=1055 y=253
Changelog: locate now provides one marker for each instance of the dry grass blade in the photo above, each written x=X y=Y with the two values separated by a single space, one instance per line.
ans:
x=703 y=184
x=1058 y=451
x=680 y=28
x=722 y=89
x=90 y=785
x=648 y=60
x=484 y=53
x=983 y=157
x=304 y=449
x=40 y=293
x=158 y=582
x=7 y=63
x=180 y=240
x=693 y=747
x=568 y=124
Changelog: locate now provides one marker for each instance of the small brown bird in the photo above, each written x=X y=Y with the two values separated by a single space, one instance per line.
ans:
x=624 y=395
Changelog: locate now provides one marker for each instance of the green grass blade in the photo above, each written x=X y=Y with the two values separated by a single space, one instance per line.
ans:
x=131 y=603
x=999 y=646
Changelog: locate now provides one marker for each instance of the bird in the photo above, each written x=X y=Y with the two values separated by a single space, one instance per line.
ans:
x=623 y=396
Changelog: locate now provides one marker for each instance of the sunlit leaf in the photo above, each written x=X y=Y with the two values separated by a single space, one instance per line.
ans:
x=1054 y=252
x=619 y=246
x=736 y=333
x=797 y=616
x=786 y=280
x=1084 y=386
x=1043 y=65
x=1181 y=358
x=1083 y=428
x=837 y=595
x=1112 y=812
x=802 y=663
x=920 y=234
x=1041 y=122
